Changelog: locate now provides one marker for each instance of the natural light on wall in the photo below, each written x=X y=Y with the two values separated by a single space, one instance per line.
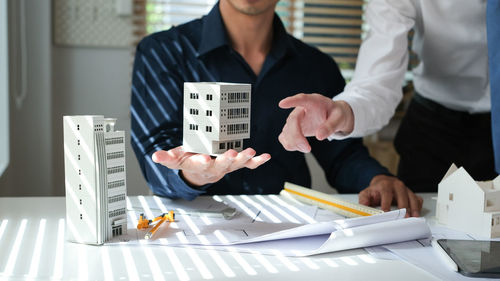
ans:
x=4 y=89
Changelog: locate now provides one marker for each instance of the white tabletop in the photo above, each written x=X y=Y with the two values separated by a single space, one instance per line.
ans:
x=32 y=247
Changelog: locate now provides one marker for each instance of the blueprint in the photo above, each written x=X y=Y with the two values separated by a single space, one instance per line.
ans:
x=267 y=224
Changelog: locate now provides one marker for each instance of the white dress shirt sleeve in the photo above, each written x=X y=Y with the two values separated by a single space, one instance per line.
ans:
x=376 y=87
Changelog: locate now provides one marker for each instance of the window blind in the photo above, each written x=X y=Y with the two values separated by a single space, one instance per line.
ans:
x=334 y=26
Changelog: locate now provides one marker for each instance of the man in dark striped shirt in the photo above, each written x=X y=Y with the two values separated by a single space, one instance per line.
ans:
x=243 y=41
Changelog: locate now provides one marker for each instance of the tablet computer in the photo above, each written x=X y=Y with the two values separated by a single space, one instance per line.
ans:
x=472 y=258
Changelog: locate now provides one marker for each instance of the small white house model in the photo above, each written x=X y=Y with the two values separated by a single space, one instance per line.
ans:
x=94 y=166
x=216 y=117
x=467 y=205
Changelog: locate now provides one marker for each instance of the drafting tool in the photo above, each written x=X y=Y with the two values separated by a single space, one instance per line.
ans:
x=170 y=216
x=154 y=229
x=328 y=202
x=144 y=223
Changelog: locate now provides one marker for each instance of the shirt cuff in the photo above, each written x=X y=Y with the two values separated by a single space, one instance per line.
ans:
x=359 y=116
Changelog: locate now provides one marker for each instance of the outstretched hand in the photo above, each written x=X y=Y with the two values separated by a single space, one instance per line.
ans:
x=201 y=169
x=313 y=115
x=385 y=190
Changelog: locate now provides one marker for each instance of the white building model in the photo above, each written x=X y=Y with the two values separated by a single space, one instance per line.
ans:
x=216 y=117
x=467 y=205
x=94 y=164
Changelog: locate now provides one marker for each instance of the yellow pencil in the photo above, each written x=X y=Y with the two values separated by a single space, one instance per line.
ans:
x=154 y=229
x=170 y=216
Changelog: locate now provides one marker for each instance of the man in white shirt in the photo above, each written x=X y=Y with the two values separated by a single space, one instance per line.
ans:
x=448 y=119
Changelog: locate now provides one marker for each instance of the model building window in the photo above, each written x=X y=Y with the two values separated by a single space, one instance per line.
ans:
x=222 y=145
x=117 y=169
x=237 y=128
x=111 y=141
x=193 y=111
x=238 y=97
x=117 y=230
x=194 y=96
x=234 y=113
x=209 y=97
x=237 y=144
x=209 y=129
x=193 y=127
x=209 y=112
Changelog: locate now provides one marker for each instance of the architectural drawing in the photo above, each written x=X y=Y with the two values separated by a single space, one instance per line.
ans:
x=216 y=117
x=94 y=163
x=467 y=205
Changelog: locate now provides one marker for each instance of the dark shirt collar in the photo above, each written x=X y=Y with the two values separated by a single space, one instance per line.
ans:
x=214 y=35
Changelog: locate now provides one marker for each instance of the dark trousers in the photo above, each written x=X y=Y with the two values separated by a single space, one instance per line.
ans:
x=432 y=137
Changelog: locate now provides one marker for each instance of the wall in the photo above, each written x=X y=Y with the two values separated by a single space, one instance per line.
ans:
x=59 y=81
x=30 y=168
x=93 y=81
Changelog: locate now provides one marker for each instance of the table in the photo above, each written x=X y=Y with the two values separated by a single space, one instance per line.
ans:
x=32 y=247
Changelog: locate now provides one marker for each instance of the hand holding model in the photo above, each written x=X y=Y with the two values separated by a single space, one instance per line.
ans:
x=200 y=169
x=385 y=190
x=313 y=115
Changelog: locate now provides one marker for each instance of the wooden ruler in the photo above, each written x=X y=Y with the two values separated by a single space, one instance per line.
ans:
x=328 y=202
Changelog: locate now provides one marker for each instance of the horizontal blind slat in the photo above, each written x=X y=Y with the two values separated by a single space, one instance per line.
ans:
x=333 y=11
x=335 y=40
x=336 y=2
x=347 y=60
x=331 y=20
x=339 y=50
x=332 y=30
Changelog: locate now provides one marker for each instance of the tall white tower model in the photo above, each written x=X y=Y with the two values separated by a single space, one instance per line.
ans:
x=94 y=166
x=216 y=117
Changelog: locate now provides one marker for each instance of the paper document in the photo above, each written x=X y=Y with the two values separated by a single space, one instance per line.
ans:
x=269 y=225
x=421 y=254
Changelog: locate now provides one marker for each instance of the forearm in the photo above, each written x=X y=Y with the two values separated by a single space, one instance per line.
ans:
x=375 y=90
x=156 y=117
